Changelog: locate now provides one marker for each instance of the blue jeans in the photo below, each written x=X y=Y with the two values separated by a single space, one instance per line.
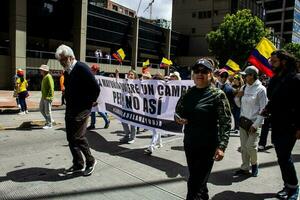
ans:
x=103 y=115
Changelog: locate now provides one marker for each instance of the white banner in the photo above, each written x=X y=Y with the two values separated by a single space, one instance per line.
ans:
x=147 y=104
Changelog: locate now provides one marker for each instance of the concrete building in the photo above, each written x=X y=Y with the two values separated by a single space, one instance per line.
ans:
x=31 y=30
x=197 y=18
x=284 y=18
x=159 y=22
x=111 y=5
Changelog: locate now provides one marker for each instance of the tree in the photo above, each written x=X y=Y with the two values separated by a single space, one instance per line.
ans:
x=293 y=48
x=236 y=36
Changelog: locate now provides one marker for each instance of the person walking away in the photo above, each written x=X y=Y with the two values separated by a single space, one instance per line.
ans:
x=47 y=89
x=284 y=108
x=62 y=87
x=95 y=109
x=81 y=92
x=253 y=101
x=22 y=85
x=205 y=113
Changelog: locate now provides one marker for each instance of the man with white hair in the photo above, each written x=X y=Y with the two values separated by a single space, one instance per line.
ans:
x=47 y=89
x=81 y=93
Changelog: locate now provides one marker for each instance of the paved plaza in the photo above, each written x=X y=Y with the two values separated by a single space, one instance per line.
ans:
x=32 y=160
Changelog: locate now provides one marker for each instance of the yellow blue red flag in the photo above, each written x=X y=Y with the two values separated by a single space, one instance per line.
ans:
x=261 y=54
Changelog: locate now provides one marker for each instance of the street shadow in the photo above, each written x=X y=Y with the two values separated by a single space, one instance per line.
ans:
x=143 y=136
x=231 y=195
x=100 y=144
x=37 y=174
x=226 y=177
x=178 y=148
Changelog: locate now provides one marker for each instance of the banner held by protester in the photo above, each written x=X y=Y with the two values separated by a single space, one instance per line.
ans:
x=147 y=104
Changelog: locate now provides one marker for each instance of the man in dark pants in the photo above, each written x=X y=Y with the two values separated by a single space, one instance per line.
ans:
x=81 y=93
x=284 y=108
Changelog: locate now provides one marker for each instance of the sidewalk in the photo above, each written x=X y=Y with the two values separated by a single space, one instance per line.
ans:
x=8 y=102
x=33 y=160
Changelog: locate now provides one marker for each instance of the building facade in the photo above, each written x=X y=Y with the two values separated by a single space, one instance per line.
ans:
x=283 y=18
x=197 y=18
x=31 y=31
x=296 y=24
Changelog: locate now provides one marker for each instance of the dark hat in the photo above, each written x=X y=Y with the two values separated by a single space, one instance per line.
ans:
x=203 y=62
x=250 y=70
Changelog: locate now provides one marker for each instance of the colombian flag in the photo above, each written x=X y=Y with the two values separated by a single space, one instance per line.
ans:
x=119 y=55
x=145 y=66
x=232 y=67
x=260 y=55
x=165 y=62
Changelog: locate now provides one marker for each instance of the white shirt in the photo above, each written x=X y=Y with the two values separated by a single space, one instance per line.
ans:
x=253 y=102
x=71 y=66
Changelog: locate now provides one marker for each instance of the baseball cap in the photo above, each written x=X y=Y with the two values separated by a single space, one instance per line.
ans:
x=203 y=62
x=250 y=70
x=44 y=68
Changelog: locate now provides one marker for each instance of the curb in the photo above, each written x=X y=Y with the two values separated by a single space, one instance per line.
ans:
x=17 y=110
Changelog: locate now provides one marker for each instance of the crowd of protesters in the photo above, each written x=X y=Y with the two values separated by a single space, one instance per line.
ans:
x=247 y=102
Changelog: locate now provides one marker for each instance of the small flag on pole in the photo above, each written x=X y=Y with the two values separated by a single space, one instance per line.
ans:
x=233 y=65
x=145 y=66
x=165 y=62
x=119 y=55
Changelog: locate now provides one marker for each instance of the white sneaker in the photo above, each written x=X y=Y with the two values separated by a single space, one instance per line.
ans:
x=149 y=150
x=21 y=113
x=26 y=112
x=47 y=127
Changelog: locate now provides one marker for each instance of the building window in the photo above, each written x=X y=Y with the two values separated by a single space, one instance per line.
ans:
x=193 y=30
x=193 y=14
x=204 y=14
x=114 y=7
x=126 y=12
x=216 y=12
x=131 y=14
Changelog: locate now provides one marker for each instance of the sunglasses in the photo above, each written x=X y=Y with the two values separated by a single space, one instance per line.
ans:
x=201 y=71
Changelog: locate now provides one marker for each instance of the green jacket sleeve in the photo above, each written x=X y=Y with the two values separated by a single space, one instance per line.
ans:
x=224 y=119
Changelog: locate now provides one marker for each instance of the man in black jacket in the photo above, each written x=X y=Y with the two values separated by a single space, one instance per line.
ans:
x=284 y=107
x=81 y=93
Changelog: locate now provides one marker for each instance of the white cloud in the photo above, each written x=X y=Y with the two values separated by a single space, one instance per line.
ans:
x=160 y=8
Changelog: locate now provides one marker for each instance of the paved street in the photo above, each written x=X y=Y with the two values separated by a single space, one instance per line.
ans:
x=32 y=159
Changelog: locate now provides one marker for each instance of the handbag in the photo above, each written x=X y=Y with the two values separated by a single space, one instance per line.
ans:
x=245 y=123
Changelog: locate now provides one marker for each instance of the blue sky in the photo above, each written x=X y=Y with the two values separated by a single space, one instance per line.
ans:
x=160 y=8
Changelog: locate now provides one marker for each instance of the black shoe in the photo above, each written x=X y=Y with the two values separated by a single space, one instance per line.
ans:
x=89 y=169
x=288 y=193
x=73 y=170
x=124 y=140
x=254 y=170
x=106 y=125
x=91 y=127
x=241 y=172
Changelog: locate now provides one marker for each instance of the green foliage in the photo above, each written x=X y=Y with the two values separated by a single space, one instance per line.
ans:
x=236 y=36
x=293 y=48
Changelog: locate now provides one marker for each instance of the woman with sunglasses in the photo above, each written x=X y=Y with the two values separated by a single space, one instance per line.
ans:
x=205 y=113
